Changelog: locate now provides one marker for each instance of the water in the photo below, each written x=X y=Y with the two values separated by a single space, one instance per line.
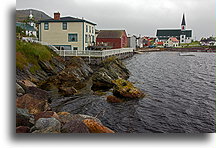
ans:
x=180 y=96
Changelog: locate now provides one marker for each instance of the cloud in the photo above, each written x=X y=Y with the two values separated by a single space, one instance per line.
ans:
x=136 y=16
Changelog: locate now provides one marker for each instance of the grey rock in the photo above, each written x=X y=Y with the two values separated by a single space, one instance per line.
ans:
x=19 y=89
x=23 y=118
x=48 y=125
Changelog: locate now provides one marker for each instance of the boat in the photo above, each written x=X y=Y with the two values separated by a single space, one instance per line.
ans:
x=185 y=54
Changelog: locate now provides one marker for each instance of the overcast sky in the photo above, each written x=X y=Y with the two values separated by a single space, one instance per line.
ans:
x=135 y=16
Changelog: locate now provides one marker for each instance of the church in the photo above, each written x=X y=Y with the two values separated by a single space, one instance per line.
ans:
x=183 y=35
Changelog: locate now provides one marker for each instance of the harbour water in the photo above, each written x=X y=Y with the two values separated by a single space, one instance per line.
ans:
x=180 y=96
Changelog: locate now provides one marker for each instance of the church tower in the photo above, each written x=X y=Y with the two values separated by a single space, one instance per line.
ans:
x=183 y=24
x=31 y=20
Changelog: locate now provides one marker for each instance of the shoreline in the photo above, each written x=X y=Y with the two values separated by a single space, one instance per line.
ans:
x=192 y=49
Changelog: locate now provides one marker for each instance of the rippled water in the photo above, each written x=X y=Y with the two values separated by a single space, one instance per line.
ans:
x=180 y=96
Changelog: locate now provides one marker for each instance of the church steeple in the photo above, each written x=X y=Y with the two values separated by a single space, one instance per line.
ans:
x=183 y=24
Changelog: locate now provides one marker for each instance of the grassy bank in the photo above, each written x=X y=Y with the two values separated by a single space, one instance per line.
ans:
x=29 y=54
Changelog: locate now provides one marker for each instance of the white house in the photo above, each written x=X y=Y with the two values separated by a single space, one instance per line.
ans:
x=172 y=42
x=140 y=42
x=132 y=41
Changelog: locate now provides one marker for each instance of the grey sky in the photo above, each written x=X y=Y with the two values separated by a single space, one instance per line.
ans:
x=136 y=16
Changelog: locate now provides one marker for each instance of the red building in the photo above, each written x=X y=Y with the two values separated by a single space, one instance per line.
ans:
x=112 y=38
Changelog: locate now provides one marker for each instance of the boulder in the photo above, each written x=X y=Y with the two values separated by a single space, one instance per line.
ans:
x=72 y=78
x=47 y=125
x=75 y=126
x=67 y=91
x=113 y=99
x=23 y=118
x=63 y=113
x=64 y=118
x=22 y=129
x=102 y=80
x=111 y=68
x=125 y=90
x=33 y=103
x=41 y=94
x=26 y=83
x=46 y=114
x=95 y=127
x=83 y=117
x=48 y=130
x=47 y=67
x=19 y=90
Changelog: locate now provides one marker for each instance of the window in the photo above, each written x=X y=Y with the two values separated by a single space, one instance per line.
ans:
x=75 y=48
x=86 y=28
x=92 y=38
x=86 y=38
x=64 y=25
x=90 y=29
x=72 y=38
x=46 y=26
x=182 y=40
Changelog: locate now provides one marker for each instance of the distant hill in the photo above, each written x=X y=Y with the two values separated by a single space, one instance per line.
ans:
x=23 y=15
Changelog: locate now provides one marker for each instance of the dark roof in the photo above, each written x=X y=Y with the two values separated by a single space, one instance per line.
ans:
x=67 y=19
x=183 y=20
x=110 y=33
x=25 y=26
x=166 y=33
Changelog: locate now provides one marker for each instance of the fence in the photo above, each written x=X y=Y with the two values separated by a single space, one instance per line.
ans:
x=94 y=53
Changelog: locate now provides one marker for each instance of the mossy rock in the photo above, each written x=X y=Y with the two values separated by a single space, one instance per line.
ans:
x=126 y=90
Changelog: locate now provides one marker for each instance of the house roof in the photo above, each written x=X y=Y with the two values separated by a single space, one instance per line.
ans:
x=173 y=39
x=25 y=26
x=110 y=33
x=166 y=33
x=67 y=19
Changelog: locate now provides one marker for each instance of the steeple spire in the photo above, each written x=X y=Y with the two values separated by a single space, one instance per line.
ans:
x=30 y=15
x=183 y=24
x=183 y=20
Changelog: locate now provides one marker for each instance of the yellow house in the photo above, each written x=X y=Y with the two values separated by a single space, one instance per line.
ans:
x=67 y=33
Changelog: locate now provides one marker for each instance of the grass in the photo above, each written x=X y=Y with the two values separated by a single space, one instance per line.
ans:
x=195 y=43
x=29 y=54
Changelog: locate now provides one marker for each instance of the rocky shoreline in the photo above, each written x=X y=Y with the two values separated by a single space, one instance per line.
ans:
x=58 y=78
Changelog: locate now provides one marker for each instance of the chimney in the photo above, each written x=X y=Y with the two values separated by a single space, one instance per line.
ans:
x=57 y=16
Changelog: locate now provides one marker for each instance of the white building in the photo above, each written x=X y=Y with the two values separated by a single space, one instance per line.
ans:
x=29 y=27
x=132 y=41
x=171 y=42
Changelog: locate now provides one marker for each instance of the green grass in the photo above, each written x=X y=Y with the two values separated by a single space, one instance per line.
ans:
x=195 y=43
x=29 y=54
